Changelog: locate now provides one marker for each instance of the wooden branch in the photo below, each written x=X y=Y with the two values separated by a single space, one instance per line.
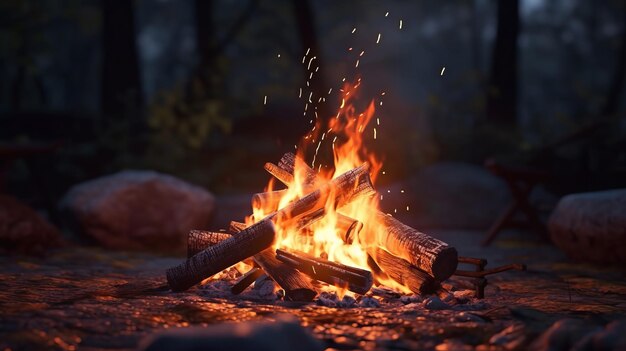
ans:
x=260 y=235
x=279 y=173
x=245 y=280
x=297 y=286
x=337 y=274
x=226 y=253
x=198 y=240
x=347 y=187
x=268 y=201
x=403 y=272
x=423 y=251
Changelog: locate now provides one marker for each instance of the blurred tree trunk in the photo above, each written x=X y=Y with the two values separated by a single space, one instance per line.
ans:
x=205 y=40
x=121 y=80
x=305 y=21
x=502 y=88
x=612 y=103
x=207 y=44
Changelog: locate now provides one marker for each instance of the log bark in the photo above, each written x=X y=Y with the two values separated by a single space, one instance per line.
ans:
x=337 y=274
x=423 y=251
x=199 y=240
x=245 y=280
x=297 y=286
x=214 y=259
x=404 y=272
x=260 y=235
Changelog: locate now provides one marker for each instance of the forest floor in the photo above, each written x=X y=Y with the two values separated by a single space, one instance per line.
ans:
x=78 y=298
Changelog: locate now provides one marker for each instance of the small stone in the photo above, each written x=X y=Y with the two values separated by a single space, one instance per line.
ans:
x=367 y=302
x=265 y=289
x=347 y=301
x=435 y=303
x=327 y=299
x=407 y=299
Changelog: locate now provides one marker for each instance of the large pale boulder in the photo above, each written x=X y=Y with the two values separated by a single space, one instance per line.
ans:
x=139 y=210
x=22 y=230
x=591 y=226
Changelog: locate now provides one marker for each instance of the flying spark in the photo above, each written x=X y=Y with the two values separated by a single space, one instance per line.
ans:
x=387 y=14
x=374 y=133
x=354 y=30
x=278 y=55
x=400 y=24
x=442 y=70
x=307 y=51
x=265 y=100
x=357 y=64
x=300 y=94
x=378 y=39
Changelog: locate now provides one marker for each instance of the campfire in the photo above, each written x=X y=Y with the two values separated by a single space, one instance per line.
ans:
x=325 y=226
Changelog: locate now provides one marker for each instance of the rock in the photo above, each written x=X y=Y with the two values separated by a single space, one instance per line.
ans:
x=265 y=288
x=562 y=335
x=368 y=302
x=284 y=334
x=407 y=299
x=24 y=231
x=612 y=337
x=435 y=303
x=591 y=226
x=457 y=195
x=139 y=210
x=510 y=338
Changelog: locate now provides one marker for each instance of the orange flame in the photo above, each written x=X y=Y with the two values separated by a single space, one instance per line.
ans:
x=346 y=132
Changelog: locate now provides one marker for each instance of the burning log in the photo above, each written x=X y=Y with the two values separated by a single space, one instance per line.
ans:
x=296 y=285
x=226 y=253
x=423 y=251
x=404 y=272
x=199 y=240
x=348 y=227
x=268 y=200
x=260 y=235
x=337 y=274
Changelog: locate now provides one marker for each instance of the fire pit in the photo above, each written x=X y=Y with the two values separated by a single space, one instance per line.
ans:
x=324 y=232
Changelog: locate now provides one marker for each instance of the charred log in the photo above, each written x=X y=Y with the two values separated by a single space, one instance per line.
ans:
x=337 y=274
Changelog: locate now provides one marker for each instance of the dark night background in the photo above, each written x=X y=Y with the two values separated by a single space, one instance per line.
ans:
x=178 y=86
x=132 y=132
